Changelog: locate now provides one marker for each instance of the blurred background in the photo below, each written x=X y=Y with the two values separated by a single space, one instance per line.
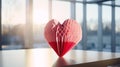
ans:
x=23 y=22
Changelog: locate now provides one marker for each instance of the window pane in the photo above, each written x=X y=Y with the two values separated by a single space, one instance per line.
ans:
x=106 y=16
x=117 y=19
x=13 y=21
x=60 y=10
x=92 y=25
x=79 y=19
x=107 y=2
x=117 y=2
x=40 y=18
x=79 y=12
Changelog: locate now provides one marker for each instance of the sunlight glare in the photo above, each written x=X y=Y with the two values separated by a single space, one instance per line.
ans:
x=40 y=16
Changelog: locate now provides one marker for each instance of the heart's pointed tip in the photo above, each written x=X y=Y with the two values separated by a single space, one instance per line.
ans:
x=60 y=56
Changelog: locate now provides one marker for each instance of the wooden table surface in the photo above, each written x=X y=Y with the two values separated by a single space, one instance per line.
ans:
x=46 y=57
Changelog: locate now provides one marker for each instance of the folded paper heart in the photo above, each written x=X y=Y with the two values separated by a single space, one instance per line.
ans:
x=62 y=37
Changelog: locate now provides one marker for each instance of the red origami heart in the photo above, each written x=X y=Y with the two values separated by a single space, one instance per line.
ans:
x=63 y=37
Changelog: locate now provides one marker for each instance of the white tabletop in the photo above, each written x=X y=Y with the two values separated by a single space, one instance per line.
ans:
x=46 y=57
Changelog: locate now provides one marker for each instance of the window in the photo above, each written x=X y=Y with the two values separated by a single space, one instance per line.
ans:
x=79 y=12
x=13 y=21
x=106 y=16
x=117 y=18
x=40 y=18
x=60 y=10
x=79 y=19
x=92 y=25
